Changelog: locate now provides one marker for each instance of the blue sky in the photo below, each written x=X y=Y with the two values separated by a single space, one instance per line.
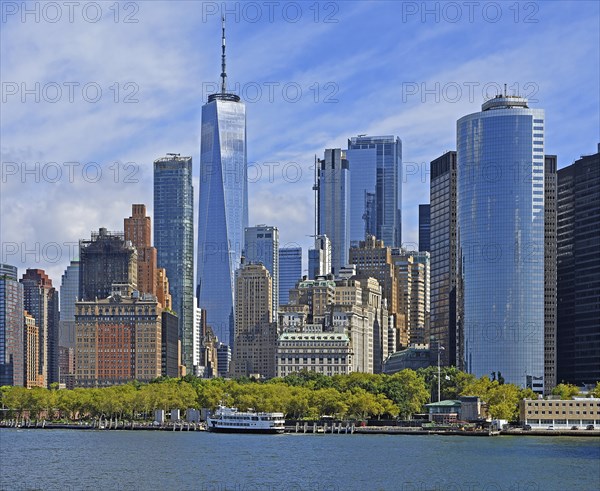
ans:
x=326 y=71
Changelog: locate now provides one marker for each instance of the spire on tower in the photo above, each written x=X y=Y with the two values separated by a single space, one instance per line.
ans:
x=223 y=72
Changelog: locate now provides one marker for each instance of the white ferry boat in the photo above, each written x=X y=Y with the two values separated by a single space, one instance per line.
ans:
x=230 y=420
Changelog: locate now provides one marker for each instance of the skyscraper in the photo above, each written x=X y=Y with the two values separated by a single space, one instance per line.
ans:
x=550 y=194
x=443 y=258
x=104 y=261
x=578 y=232
x=12 y=325
x=69 y=294
x=174 y=240
x=255 y=333
x=138 y=230
x=319 y=258
x=41 y=302
x=261 y=245
x=290 y=271
x=223 y=208
x=500 y=172
x=424 y=227
x=375 y=188
x=333 y=205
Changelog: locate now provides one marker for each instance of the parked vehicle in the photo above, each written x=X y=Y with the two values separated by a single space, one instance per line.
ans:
x=589 y=427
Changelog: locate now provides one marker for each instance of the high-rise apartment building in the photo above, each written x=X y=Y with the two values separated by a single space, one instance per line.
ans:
x=578 y=269
x=550 y=194
x=223 y=208
x=118 y=339
x=373 y=259
x=41 y=302
x=174 y=240
x=12 y=362
x=261 y=246
x=255 y=333
x=31 y=346
x=333 y=217
x=500 y=220
x=443 y=329
x=413 y=269
x=138 y=230
x=105 y=261
x=290 y=271
x=424 y=227
x=375 y=164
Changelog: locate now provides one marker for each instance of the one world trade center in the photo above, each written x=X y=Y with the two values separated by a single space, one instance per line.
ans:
x=223 y=210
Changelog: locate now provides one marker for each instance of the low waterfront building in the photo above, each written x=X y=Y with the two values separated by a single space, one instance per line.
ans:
x=414 y=357
x=329 y=353
x=444 y=411
x=541 y=413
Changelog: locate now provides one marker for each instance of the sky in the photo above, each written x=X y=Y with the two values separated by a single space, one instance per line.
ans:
x=93 y=93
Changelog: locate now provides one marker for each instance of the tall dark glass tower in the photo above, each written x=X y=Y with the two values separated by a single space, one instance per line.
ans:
x=223 y=209
x=578 y=269
x=174 y=240
x=424 y=228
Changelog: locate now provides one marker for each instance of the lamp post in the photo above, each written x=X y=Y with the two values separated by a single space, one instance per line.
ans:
x=440 y=348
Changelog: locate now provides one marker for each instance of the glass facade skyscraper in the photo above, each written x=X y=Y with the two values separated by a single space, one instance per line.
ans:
x=174 y=241
x=500 y=192
x=375 y=188
x=12 y=353
x=223 y=209
x=290 y=271
x=69 y=294
x=443 y=258
x=578 y=270
x=334 y=200
x=424 y=227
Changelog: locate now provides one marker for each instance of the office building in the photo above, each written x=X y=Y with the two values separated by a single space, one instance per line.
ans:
x=578 y=270
x=500 y=221
x=223 y=208
x=375 y=164
x=261 y=246
x=424 y=227
x=223 y=359
x=319 y=258
x=333 y=217
x=290 y=271
x=550 y=194
x=174 y=240
x=106 y=260
x=41 y=302
x=169 y=360
x=12 y=362
x=443 y=328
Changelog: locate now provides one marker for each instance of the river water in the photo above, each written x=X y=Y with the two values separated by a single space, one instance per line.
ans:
x=157 y=460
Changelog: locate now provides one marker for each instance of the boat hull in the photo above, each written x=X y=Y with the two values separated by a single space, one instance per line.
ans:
x=264 y=431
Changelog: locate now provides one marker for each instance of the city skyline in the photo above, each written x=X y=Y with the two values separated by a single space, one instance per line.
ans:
x=167 y=116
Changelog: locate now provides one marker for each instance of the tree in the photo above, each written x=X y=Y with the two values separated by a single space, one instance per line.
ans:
x=595 y=392
x=407 y=391
x=565 y=391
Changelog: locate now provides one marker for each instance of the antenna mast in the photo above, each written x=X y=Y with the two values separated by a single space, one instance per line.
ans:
x=223 y=73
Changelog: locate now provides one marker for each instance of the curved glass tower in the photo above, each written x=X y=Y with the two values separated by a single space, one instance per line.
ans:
x=223 y=209
x=500 y=193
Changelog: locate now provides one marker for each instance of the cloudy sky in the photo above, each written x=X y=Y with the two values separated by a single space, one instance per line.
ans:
x=93 y=93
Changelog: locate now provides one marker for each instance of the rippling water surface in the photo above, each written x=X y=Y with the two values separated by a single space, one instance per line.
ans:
x=149 y=460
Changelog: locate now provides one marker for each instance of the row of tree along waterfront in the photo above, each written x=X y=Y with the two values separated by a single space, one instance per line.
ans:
x=303 y=395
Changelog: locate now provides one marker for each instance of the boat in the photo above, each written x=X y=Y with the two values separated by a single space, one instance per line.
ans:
x=230 y=420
